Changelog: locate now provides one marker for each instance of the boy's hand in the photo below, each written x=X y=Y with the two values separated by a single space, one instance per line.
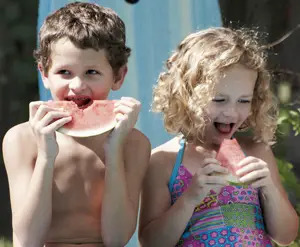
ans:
x=127 y=110
x=255 y=172
x=44 y=121
x=203 y=181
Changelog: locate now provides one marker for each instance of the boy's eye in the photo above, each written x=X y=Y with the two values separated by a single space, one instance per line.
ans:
x=64 y=72
x=92 y=72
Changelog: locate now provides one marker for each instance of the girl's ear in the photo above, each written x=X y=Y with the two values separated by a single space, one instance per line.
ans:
x=44 y=76
x=119 y=78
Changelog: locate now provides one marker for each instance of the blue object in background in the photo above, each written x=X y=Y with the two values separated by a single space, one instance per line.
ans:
x=153 y=29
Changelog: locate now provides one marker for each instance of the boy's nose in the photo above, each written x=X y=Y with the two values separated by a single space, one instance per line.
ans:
x=77 y=84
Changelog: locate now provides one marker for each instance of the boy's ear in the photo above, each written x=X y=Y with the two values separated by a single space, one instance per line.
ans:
x=44 y=75
x=119 y=78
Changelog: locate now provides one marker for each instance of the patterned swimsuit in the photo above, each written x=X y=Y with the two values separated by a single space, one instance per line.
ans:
x=232 y=218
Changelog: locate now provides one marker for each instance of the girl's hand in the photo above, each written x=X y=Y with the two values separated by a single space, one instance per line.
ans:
x=255 y=172
x=44 y=121
x=205 y=180
x=127 y=110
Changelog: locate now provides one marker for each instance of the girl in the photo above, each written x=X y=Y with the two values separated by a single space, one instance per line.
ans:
x=215 y=84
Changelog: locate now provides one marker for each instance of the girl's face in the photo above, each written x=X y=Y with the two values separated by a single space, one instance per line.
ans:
x=79 y=75
x=230 y=106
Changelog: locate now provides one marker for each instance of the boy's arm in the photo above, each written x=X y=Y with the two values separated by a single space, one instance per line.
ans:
x=30 y=185
x=125 y=169
x=29 y=152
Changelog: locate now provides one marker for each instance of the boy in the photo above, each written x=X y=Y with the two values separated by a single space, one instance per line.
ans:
x=64 y=190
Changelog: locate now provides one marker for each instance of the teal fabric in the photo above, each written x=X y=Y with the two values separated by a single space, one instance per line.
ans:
x=177 y=164
x=154 y=28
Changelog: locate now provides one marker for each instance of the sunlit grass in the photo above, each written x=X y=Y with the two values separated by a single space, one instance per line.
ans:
x=5 y=243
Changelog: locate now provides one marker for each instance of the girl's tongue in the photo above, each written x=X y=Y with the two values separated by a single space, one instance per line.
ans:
x=223 y=128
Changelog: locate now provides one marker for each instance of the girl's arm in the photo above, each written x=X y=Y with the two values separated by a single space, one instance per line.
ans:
x=280 y=217
x=160 y=223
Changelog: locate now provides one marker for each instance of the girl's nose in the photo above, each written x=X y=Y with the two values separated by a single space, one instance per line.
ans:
x=77 y=84
x=230 y=112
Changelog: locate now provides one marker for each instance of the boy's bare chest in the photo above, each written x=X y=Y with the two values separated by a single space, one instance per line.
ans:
x=78 y=177
x=78 y=186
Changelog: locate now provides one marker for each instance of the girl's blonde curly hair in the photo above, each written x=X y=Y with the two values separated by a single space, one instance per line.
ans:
x=187 y=85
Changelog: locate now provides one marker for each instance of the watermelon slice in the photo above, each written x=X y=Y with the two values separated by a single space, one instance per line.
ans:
x=229 y=155
x=98 y=117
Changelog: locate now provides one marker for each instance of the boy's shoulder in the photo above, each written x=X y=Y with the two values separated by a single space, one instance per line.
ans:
x=138 y=144
x=18 y=133
x=138 y=139
x=137 y=151
x=19 y=142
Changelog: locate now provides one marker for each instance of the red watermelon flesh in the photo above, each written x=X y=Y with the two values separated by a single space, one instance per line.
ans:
x=98 y=117
x=229 y=155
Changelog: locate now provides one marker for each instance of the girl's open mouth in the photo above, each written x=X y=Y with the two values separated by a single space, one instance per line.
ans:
x=81 y=101
x=224 y=128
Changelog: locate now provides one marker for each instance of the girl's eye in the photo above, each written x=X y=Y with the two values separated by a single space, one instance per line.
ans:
x=92 y=72
x=218 y=100
x=245 y=101
x=64 y=72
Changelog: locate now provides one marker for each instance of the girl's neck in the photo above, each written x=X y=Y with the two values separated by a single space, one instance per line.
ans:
x=205 y=145
x=202 y=147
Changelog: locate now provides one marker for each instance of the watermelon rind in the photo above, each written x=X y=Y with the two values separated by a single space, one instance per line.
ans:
x=232 y=179
x=96 y=130
x=88 y=132
x=238 y=184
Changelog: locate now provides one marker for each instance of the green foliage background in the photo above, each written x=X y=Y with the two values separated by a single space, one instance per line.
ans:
x=289 y=122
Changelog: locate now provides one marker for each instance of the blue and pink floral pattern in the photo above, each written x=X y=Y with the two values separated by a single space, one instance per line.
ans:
x=233 y=218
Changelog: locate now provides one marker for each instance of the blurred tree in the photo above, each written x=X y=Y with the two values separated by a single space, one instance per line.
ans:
x=18 y=79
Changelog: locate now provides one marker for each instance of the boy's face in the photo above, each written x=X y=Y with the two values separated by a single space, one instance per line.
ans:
x=80 y=74
x=230 y=106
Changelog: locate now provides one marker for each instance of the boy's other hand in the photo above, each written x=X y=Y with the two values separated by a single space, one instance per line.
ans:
x=127 y=110
x=44 y=121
